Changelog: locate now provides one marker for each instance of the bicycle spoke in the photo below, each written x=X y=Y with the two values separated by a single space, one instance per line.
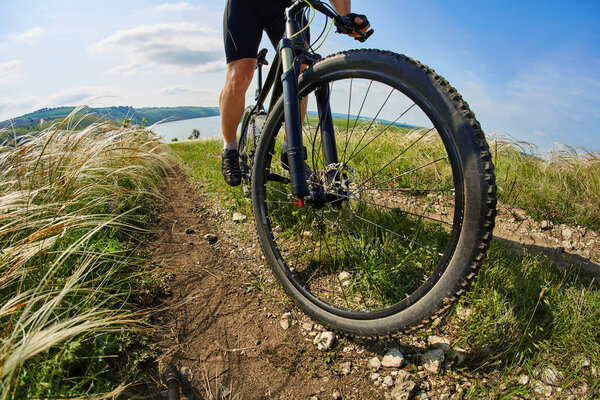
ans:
x=395 y=158
x=372 y=122
x=388 y=189
x=399 y=235
x=354 y=154
x=413 y=170
x=356 y=120
x=394 y=209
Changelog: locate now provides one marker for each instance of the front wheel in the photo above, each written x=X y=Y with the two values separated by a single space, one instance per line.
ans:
x=407 y=210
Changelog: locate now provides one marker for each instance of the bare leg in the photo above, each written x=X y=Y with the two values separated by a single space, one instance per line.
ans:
x=232 y=99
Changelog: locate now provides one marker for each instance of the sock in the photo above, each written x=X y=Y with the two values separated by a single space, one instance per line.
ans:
x=230 y=145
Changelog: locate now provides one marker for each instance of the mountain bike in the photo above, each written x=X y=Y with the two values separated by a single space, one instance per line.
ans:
x=376 y=213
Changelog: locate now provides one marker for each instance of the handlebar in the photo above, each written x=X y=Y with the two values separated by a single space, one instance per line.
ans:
x=343 y=24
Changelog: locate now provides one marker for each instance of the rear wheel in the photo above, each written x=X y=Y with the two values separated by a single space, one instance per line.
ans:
x=406 y=213
x=246 y=148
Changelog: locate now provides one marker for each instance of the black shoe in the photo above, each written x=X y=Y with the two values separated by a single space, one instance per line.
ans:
x=230 y=166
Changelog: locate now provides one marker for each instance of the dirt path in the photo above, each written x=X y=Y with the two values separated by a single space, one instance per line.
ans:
x=226 y=329
x=239 y=337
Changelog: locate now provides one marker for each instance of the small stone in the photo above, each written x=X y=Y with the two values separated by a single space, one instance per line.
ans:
x=546 y=225
x=433 y=360
x=550 y=375
x=438 y=342
x=211 y=238
x=344 y=278
x=324 y=340
x=285 y=324
x=388 y=381
x=374 y=363
x=374 y=376
x=404 y=391
x=566 y=233
x=336 y=395
x=542 y=389
x=584 y=362
x=393 y=359
x=345 y=368
x=523 y=379
x=237 y=217
x=463 y=313
x=307 y=326
x=189 y=231
x=402 y=376
x=457 y=355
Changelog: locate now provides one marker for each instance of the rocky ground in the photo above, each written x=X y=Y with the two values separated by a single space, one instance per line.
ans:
x=234 y=334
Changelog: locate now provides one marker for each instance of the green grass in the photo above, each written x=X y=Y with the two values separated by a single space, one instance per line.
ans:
x=529 y=310
x=528 y=314
x=73 y=204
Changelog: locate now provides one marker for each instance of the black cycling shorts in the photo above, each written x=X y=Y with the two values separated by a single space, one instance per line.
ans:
x=244 y=22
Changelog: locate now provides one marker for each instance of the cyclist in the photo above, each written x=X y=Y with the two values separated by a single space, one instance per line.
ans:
x=243 y=25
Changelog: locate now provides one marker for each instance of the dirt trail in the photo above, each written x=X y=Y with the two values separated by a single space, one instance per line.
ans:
x=225 y=329
x=229 y=326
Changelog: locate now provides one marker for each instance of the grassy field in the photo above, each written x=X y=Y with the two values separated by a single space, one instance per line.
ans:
x=528 y=314
x=73 y=286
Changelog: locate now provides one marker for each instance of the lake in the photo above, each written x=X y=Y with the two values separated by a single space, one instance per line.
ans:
x=209 y=127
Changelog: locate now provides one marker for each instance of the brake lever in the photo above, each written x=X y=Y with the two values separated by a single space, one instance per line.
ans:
x=364 y=36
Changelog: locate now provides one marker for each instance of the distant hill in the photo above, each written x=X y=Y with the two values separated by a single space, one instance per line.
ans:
x=46 y=116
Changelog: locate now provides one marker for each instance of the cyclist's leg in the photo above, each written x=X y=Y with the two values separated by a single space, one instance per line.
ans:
x=242 y=32
x=231 y=102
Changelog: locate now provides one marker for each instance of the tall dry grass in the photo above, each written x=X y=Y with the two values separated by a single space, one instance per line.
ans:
x=561 y=185
x=70 y=200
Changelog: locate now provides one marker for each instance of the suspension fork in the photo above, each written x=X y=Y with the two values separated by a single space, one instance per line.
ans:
x=330 y=155
x=293 y=123
x=291 y=108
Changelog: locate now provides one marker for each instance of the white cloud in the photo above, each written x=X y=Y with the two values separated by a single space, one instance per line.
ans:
x=126 y=69
x=79 y=95
x=540 y=133
x=9 y=70
x=170 y=48
x=31 y=36
x=7 y=104
x=179 y=89
x=90 y=95
x=180 y=6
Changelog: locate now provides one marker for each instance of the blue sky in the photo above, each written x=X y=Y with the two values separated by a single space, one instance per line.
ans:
x=529 y=69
